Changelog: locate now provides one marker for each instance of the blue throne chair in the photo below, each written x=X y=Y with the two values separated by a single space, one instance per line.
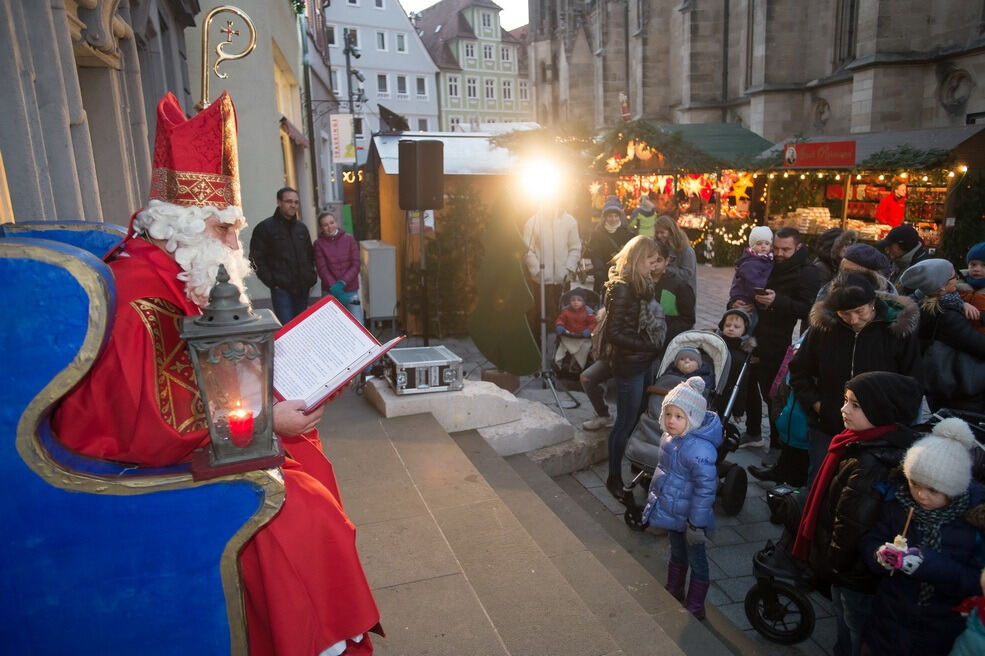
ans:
x=97 y=557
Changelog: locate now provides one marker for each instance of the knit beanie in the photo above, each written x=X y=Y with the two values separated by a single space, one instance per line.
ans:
x=849 y=291
x=887 y=398
x=690 y=352
x=750 y=320
x=760 y=233
x=612 y=205
x=689 y=397
x=928 y=276
x=942 y=460
x=867 y=256
x=977 y=252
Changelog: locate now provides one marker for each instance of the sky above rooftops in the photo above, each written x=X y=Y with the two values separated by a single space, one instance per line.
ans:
x=514 y=11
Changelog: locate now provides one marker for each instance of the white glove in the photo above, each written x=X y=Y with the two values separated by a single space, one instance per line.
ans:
x=912 y=559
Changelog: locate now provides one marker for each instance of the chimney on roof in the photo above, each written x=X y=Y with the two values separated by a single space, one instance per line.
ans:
x=415 y=19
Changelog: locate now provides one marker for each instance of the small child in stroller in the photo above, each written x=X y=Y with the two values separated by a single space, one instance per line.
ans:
x=682 y=493
x=687 y=363
x=574 y=327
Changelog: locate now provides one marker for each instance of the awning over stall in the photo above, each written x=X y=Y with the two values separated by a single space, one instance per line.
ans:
x=966 y=144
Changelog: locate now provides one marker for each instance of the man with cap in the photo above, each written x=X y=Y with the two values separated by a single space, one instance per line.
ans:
x=304 y=590
x=607 y=239
x=903 y=246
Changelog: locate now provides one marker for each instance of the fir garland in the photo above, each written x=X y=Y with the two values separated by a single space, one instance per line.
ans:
x=670 y=152
x=906 y=156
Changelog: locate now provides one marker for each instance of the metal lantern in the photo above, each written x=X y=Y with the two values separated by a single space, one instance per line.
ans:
x=232 y=350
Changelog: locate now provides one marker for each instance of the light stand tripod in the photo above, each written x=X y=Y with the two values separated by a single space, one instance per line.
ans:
x=546 y=375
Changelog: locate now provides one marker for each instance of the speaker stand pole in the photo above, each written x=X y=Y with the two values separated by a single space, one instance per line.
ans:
x=424 y=279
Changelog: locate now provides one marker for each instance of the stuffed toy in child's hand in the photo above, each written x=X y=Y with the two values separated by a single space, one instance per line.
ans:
x=893 y=558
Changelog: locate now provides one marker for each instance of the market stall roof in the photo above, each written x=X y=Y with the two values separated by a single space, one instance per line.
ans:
x=469 y=153
x=680 y=147
x=728 y=142
x=966 y=143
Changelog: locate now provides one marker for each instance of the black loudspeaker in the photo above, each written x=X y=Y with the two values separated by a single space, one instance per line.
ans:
x=422 y=175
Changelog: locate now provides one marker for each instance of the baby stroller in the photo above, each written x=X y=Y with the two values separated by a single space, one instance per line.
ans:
x=643 y=446
x=573 y=353
x=778 y=605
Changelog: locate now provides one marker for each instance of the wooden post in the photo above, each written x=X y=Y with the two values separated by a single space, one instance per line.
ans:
x=848 y=191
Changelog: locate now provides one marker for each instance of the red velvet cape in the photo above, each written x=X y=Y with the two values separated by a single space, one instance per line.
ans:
x=304 y=587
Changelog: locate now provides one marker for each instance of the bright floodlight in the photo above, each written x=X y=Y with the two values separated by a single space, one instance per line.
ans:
x=540 y=179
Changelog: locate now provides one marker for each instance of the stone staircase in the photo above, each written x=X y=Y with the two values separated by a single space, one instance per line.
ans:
x=471 y=553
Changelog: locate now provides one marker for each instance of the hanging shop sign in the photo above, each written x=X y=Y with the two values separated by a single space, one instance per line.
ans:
x=819 y=154
x=343 y=146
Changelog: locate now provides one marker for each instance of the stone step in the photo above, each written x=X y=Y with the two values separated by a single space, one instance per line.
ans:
x=452 y=568
x=630 y=603
x=635 y=561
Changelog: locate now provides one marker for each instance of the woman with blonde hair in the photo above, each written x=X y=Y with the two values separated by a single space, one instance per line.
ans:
x=683 y=262
x=634 y=328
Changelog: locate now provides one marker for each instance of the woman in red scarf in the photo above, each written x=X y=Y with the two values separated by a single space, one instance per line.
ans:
x=843 y=502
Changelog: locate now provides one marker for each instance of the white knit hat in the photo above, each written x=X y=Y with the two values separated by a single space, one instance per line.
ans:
x=760 y=233
x=942 y=460
x=689 y=397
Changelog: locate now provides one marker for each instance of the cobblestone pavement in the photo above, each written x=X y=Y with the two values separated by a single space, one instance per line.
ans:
x=737 y=538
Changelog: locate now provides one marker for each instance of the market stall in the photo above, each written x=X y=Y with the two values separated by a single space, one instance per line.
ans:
x=869 y=182
x=700 y=174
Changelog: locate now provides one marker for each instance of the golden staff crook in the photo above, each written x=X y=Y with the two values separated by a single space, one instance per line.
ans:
x=220 y=52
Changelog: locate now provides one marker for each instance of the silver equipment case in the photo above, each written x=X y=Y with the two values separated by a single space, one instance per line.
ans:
x=423 y=369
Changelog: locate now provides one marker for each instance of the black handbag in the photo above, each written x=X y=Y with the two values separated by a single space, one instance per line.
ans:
x=949 y=372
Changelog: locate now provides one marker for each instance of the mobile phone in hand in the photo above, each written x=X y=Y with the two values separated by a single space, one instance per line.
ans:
x=759 y=290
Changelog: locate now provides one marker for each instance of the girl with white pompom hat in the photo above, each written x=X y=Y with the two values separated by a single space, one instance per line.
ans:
x=928 y=546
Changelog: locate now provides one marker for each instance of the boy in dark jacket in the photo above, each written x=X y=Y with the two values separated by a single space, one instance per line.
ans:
x=735 y=328
x=929 y=537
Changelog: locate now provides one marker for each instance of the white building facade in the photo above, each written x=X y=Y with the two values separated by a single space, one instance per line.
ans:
x=397 y=71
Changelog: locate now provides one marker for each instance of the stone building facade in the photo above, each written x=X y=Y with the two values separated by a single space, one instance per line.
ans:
x=480 y=79
x=777 y=67
x=81 y=81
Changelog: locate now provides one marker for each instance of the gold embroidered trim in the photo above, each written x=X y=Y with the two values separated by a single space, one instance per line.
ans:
x=173 y=367
x=201 y=189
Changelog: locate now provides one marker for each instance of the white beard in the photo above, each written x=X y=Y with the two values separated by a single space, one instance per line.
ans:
x=200 y=266
x=197 y=253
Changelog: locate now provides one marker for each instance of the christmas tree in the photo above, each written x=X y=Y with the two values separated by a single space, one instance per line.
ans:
x=498 y=325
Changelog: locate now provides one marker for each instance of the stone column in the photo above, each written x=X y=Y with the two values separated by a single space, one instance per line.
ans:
x=53 y=114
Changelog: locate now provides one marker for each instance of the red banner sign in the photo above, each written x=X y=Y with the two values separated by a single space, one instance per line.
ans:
x=819 y=154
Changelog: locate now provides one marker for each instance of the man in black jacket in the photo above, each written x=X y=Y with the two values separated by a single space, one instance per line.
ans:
x=282 y=255
x=790 y=292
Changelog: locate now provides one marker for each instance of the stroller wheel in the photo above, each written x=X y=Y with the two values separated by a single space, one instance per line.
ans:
x=733 y=490
x=634 y=519
x=779 y=612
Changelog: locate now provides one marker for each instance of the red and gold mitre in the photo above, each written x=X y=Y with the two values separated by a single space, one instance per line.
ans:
x=196 y=161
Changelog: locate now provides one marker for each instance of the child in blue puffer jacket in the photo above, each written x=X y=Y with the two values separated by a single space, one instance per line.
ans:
x=683 y=489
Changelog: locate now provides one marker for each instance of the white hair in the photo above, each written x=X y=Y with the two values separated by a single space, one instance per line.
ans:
x=182 y=229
